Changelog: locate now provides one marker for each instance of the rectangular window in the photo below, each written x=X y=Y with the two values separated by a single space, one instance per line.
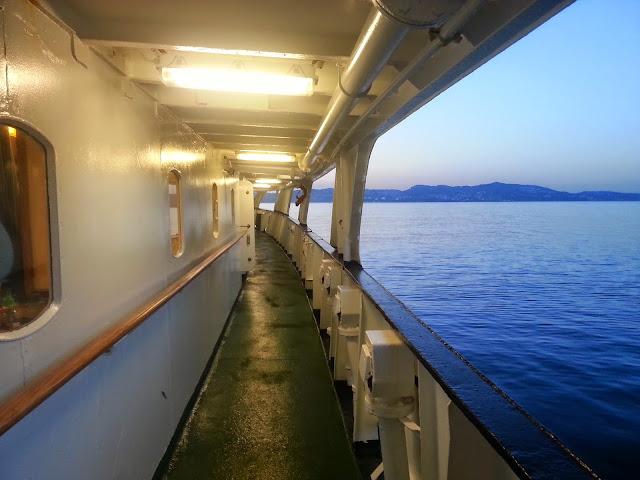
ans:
x=175 y=213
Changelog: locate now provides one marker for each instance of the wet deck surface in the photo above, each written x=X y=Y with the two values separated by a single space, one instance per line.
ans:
x=268 y=409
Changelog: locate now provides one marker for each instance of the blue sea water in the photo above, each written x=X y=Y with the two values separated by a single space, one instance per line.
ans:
x=543 y=298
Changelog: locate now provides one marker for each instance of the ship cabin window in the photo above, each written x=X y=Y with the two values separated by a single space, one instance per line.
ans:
x=175 y=213
x=25 y=246
x=215 y=211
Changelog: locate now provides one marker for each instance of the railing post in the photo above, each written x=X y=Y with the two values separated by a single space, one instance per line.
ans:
x=347 y=309
x=331 y=277
x=304 y=206
x=389 y=364
x=283 y=201
x=351 y=172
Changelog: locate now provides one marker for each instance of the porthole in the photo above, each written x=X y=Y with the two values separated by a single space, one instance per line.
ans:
x=215 y=211
x=25 y=245
x=175 y=213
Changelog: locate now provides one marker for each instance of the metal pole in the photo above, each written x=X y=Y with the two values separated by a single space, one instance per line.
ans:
x=380 y=37
x=447 y=32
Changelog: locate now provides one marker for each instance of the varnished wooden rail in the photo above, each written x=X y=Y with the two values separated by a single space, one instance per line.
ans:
x=27 y=399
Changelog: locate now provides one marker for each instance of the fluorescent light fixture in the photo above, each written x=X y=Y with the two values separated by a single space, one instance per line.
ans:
x=179 y=157
x=267 y=180
x=236 y=81
x=266 y=157
x=12 y=131
x=261 y=185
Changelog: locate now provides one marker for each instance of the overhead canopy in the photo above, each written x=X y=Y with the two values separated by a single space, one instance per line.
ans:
x=303 y=38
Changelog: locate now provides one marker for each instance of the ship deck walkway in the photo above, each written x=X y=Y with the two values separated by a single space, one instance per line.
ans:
x=268 y=408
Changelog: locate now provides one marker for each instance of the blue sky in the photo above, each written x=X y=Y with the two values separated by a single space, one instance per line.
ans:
x=560 y=108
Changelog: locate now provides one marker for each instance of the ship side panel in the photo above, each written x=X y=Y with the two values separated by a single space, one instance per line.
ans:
x=109 y=151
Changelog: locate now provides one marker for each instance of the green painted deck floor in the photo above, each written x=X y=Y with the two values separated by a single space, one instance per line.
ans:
x=268 y=409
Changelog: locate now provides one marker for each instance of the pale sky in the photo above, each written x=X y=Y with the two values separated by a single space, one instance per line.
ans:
x=560 y=109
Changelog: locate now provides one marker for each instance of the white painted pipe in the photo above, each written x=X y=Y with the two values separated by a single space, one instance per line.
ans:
x=283 y=200
x=394 y=449
x=378 y=40
x=447 y=32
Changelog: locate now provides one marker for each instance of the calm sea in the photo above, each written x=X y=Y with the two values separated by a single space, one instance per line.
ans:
x=543 y=298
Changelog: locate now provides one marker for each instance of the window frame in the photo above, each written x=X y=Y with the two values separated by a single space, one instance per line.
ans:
x=55 y=296
x=178 y=176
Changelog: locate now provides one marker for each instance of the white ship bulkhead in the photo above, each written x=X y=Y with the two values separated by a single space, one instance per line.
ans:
x=109 y=150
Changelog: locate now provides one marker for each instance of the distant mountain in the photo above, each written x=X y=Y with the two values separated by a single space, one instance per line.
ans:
x=492 y=192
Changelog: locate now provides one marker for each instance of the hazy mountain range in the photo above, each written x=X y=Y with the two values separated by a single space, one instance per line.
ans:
x=492 y=192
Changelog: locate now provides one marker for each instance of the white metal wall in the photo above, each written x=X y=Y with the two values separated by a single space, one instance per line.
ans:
x=108 y=145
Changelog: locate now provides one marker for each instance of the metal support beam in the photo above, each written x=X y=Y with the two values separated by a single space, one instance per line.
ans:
x=348 y=197
x=380 y=37
x=283 y=201
x=304 y=206
x=246 y=118
x=446 y=34
x=257 y=200
x=267 y=168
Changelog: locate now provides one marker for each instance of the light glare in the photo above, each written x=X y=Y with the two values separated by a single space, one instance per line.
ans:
x=265 y=157
x=261 y=185
x=237 y=81
x=179 y=157
x=267 y=180
x=12 y=131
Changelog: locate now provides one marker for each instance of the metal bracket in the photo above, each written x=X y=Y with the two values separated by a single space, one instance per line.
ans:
x=434 y=34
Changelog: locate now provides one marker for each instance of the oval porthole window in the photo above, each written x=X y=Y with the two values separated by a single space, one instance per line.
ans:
x=25 y=245
x=175 y=213
x=215 y=211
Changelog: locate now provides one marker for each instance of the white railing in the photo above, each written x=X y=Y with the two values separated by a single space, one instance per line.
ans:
x=435 y=415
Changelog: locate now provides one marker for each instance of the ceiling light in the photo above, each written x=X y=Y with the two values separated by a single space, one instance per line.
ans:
x=267 y=180
x=179 y=157
x=261 y=185
x=236 y=81
x=266 y=157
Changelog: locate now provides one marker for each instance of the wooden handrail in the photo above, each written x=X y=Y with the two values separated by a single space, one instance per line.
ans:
x=27 y=399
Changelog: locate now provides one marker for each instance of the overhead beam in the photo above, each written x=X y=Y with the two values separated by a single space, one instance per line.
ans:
x=253 y=130
x=97 y=42
x=182 y=97
x=286 y=144
x=303 y=44
x=263 y=147
x=309 y=30
x=266 y=168
x=259 y=118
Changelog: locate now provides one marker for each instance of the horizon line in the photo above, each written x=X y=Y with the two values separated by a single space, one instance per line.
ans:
x=490 y=183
